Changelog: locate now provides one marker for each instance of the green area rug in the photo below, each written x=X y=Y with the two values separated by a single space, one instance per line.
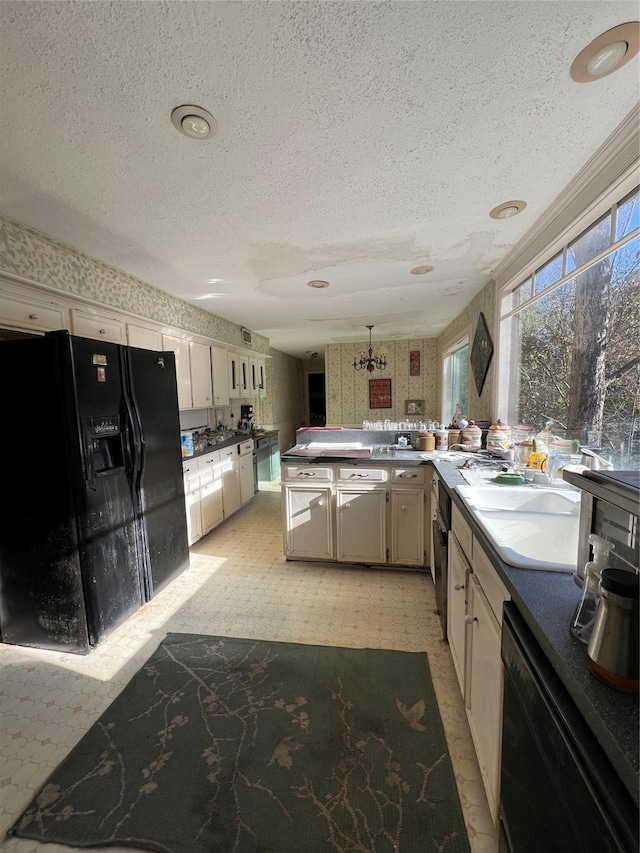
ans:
x=221 y=745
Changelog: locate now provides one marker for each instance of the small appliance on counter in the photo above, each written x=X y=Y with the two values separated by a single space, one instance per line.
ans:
x=612 y=655
x=247 y=419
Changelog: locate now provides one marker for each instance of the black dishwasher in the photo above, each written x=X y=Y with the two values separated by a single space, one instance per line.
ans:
x=559 y=791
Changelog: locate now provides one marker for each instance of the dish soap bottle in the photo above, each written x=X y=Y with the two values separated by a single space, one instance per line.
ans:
x=585 y=613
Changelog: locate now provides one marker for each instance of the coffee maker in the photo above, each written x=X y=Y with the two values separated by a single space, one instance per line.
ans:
x=246 y=418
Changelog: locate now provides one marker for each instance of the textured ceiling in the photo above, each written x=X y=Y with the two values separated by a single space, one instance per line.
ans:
x=356 y=140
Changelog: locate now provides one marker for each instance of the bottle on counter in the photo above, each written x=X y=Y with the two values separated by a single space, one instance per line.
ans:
x=585 y=613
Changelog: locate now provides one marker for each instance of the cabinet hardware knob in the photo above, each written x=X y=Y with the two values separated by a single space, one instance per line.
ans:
x=102 y=331
x=320 y=503
x=470 y=619
x=458 y=586
x=33 y=316
x=404 y=506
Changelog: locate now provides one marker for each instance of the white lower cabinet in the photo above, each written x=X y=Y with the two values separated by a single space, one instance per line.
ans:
x=458 y=579
x=211 y=509
x=361 y=525
x=485 y=682
x=192 y=500
x=230 y=480
x=407 y=509
x=309 y=529
x=356 y=514
x=475 y=599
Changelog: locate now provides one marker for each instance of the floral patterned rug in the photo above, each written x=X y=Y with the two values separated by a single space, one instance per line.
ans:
x=221 y=745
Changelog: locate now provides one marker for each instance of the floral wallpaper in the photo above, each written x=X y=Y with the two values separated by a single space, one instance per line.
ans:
x=40 y=259
x=348 y=389
x=37 y=257
x=480 y=408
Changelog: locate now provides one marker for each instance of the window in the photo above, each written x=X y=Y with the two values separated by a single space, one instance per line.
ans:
x=570 y=345
x=455 y=379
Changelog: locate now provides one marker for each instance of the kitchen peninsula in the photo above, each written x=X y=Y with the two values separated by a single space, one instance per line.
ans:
x=324 y=486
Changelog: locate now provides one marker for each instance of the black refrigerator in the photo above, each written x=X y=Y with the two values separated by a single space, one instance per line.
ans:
x=93 y=523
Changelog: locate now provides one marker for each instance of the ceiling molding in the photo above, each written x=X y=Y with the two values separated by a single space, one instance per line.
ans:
x=616 y=159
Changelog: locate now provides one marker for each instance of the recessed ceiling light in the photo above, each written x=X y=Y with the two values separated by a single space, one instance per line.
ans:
x=507 y=209
x=421 y=270
x=607 y=53
x=194 y=122
x=317 y=283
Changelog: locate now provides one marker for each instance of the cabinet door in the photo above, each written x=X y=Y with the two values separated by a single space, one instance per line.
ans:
x=211 y=494
x=262 y=379
x=243 y=376
x=407 y=527
x=457 y=607
x=253 y=377
x=144 y=337
x=192 y=502
x=220 y=371
x=230 y=481
x=200 y=368
x=360 y=525
x=98 y=325
x=233 y=367
x=308 y=522
x=246 y=478
x=485 y=686
x=180 y=346
x=31 y=316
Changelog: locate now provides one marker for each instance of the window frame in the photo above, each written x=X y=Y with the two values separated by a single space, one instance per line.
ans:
x=507 y=354
x=460 y=341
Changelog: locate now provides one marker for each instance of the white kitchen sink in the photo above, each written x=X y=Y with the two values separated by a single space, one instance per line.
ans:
x=530 y=527
x=533 y=540
x=522 y=498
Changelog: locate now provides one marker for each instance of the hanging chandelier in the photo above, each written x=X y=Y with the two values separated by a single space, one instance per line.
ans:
x=370 y=362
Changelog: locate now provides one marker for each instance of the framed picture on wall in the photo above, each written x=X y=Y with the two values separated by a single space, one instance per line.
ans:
x=379 y=393
x=414 y=407
x=414 y=362
x=481 y=353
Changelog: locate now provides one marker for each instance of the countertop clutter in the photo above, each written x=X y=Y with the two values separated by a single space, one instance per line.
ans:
x=546 y=600
x=236 y=438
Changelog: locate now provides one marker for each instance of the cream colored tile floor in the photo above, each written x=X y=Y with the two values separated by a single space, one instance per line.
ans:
x=238 y=584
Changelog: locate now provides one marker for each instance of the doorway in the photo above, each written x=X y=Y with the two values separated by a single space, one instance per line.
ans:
x=317 y=411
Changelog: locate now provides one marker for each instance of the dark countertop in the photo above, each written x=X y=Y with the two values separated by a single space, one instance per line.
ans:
x=234 y=439
x=546 y=601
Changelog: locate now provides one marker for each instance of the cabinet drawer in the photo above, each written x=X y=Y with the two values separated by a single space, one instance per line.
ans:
x=412 y=475
x=98 y=326
x=26 y=315
x=246 y=447
x=493 y=588
x=462 y=531
x=207 y=461
x=359 y=474
x=300 y=473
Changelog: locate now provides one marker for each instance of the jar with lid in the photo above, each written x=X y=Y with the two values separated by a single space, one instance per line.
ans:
x=471 y=436
x=498 y=436
x=442 y=439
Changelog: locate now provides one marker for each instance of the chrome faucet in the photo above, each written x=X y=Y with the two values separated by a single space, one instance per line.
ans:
x=591 y=459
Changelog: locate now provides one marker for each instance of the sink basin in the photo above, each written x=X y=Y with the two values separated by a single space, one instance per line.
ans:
x=522 y=498
x=530 y=527
x=533 y=540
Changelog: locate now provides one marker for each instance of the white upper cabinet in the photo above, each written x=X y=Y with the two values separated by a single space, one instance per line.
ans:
x=220 y=371
x=180 y=346
x=243 y=376
x=144 y=337
x=233 y=362
x=200 y=366
x=87 y=323
x=31 y=314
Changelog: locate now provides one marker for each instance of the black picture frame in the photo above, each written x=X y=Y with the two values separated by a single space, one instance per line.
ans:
x=481 y=353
